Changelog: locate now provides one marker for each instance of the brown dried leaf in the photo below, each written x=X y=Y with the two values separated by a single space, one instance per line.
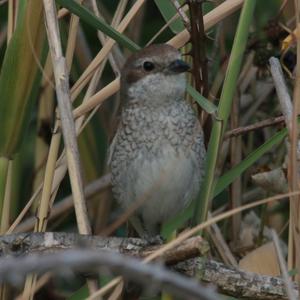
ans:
x=262 y=260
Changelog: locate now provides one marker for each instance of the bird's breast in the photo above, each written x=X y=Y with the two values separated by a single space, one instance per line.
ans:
x=158 y=156
x=153 y=130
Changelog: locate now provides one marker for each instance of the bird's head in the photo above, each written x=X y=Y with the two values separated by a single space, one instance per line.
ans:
x=155 y=74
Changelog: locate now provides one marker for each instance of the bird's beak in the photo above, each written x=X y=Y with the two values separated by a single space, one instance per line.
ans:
x=178 y=66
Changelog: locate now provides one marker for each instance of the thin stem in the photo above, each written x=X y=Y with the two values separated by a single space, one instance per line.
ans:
x=224 y=108
x=4 y=162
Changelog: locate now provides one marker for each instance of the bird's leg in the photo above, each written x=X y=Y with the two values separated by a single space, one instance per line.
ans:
x=144 y=234
x=136 y=223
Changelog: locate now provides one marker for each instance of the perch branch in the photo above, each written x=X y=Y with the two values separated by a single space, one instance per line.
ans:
x=235 y=282
x=29 y=243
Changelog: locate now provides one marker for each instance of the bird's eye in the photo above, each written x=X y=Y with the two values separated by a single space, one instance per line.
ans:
x=148 y=66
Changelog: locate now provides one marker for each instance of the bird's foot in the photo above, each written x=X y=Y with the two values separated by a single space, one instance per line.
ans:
x=153 y=240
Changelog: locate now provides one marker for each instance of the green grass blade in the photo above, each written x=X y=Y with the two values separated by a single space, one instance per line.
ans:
x=18 y=75
x=206 y=105
x=3 y=177
x=86 y=16
x=235 y=172
x=168 y=11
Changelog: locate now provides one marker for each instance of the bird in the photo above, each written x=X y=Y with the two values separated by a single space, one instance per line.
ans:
x=157 y=155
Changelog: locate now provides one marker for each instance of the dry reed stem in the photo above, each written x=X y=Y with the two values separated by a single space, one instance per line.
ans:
x=45 y=203
x=11 y=19
x=284 y=272
x=7 y=199
x=24 y=210
x=73 y=29
x=221 y=245
x=288 y=113
x=235 y=159
x=93 y=84
x=282 y=91
x=64 y=104
x=118 y=15
x=44 y=206
x=175 y=17
x=39 y=284
x=45 y=114
x=98 y=98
